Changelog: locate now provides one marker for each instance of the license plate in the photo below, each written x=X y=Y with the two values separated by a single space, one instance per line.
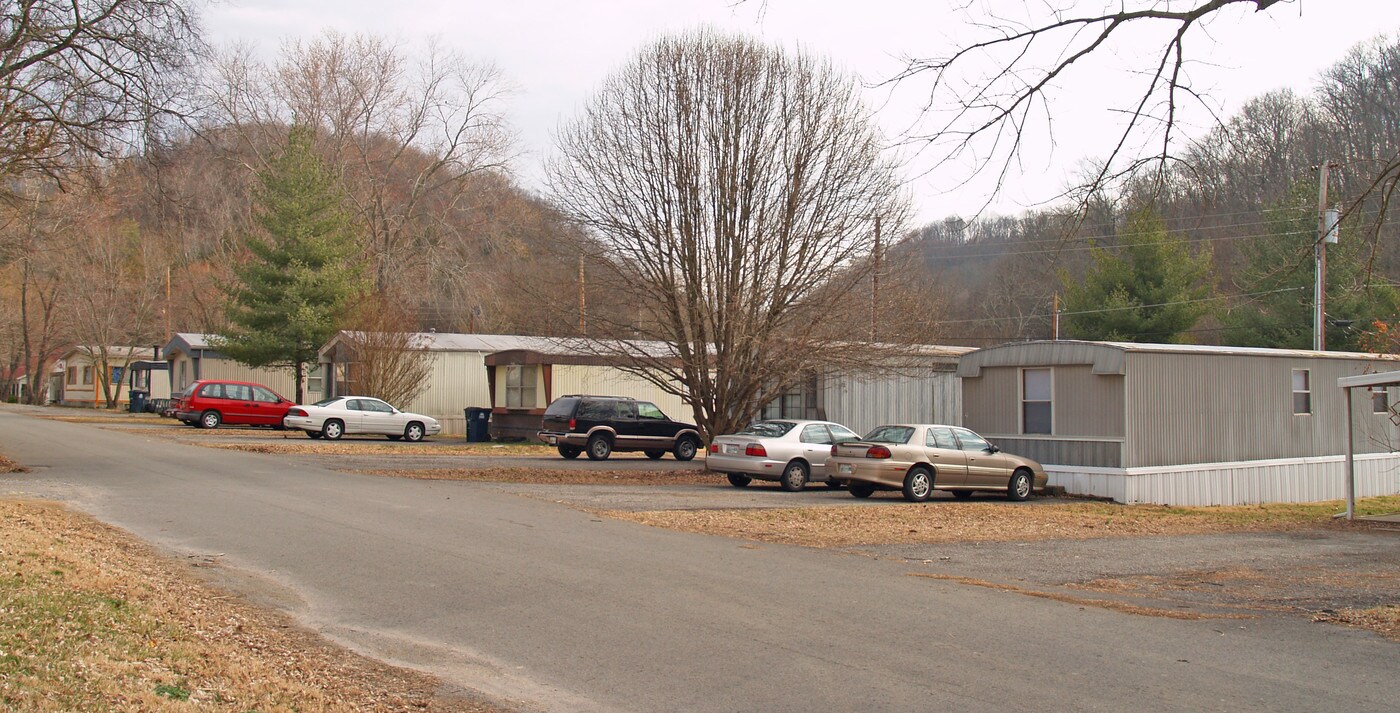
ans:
x=845 y=468
x=731 y=450
x=552 y=440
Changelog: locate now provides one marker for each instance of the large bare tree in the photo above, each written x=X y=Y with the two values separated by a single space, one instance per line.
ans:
x=85 y=76
x=732 y=191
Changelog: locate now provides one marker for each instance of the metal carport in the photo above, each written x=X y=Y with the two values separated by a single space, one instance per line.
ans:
x=1347 y=383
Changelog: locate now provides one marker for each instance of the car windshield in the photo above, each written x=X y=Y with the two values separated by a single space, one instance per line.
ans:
x=767 y=429
x=889 y=434
x=327 y=402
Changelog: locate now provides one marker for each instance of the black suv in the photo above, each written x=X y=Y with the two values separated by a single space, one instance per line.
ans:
x=599 y=425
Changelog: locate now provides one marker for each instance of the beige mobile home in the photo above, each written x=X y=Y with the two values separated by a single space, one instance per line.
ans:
x=84 y=377
x=1184 y=424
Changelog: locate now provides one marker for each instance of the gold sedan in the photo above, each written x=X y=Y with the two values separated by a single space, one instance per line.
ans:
x=920 y=458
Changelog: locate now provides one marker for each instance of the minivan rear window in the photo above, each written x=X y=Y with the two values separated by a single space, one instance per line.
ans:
x=561 y=407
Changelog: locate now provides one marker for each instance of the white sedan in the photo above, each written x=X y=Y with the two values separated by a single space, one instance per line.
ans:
x=333 y=418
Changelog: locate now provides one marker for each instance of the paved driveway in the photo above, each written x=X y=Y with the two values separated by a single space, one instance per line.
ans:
x=534 y=601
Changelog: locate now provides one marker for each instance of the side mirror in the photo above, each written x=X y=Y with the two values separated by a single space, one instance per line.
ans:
x=993 y=449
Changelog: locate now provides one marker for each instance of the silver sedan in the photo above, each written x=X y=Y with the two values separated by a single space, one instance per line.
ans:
x=791 y=452
x=342 y=415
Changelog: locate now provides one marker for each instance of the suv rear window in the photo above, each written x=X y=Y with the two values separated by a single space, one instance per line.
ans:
x=597 y=410
x=561 y=407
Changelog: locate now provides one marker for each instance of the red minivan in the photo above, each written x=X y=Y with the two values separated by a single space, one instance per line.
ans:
x=211 y=403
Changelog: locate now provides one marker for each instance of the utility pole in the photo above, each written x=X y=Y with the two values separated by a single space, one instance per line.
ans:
x=582 y=301
x=1055 y=319
x=875 y=285
x=1325 y=234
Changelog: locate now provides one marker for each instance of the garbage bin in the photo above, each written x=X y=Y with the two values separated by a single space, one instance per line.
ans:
x=478 y=425
x=137 y=400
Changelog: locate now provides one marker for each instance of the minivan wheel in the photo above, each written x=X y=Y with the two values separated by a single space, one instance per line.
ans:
x=313 y=434
x=739 y=480
x=599 y=448
x=655 y=455
x=794 y=476
x=918 y=484
x=333 y=429
x=210 y=419
x=862 y=490
x=570 y=452
x=685 y=449
x=413 y=433
x=1020 y=487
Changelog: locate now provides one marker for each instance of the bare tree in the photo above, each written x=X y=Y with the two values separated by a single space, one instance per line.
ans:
x=37 y=248
x=82 y=76
x=388 y=362
x=986 y=120
x=406 y=130
x=732 y=191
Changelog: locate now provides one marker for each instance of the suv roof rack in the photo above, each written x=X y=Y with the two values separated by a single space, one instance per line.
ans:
x=597 y=396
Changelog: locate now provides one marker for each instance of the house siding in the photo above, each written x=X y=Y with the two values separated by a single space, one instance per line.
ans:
x=1187 y=408
x=927 y=395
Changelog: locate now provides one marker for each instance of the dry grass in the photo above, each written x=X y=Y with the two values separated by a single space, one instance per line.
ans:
x=306 y=446
x=1384 y=620
x=544 y=476
x=91 y=619
x=9 y=466
x=992 y=522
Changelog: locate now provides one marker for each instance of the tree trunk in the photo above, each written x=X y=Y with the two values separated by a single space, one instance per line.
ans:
x=300 y=371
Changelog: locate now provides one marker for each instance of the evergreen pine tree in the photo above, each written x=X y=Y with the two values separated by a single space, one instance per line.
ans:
x=304 y=269
x=1145 y=290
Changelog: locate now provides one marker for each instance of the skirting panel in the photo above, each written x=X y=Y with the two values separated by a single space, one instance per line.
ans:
x=1286 y=480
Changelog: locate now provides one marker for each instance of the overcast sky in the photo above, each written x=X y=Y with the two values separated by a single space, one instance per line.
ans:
x=555 y=52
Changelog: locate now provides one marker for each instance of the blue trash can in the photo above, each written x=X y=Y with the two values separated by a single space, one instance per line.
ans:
x=478 y=424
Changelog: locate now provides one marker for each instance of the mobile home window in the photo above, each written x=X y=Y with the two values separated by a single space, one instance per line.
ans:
x=520 y=387
x=87 y=375
x=73 y=375
x=1036 y=408
x=1380 y=400
x=1302 y=392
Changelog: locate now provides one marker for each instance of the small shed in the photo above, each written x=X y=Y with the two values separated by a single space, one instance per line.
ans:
x=1184 y=424
x=192 y=357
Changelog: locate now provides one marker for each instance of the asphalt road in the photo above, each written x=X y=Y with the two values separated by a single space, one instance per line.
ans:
x=556 y=609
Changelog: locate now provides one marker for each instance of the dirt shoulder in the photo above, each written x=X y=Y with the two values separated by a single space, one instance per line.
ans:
x=92 y=619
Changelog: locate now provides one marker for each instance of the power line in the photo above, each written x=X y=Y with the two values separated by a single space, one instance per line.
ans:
x=1122 y=309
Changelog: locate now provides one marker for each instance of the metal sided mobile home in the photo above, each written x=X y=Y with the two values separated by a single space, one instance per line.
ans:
x=1184 y=424
x=193 y=357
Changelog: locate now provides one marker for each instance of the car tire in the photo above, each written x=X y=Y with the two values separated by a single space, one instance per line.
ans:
x=333 y=429
x=1021 y=486
x=413 y=432
x=962 y=494
x=655 y=455
x=210 y=419
x=794 y=476
x=570 y=452
x=313 y=434
x=861 y=490
x=599 y=448
x=739 y=480
x=918 y=484
x=686 y=448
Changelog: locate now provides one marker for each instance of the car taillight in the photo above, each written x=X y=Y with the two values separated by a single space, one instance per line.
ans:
x=756 y=449
x=296 y=412
x=714 y=448
x=877 y=452
x=572 y=424
x=833 y=450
